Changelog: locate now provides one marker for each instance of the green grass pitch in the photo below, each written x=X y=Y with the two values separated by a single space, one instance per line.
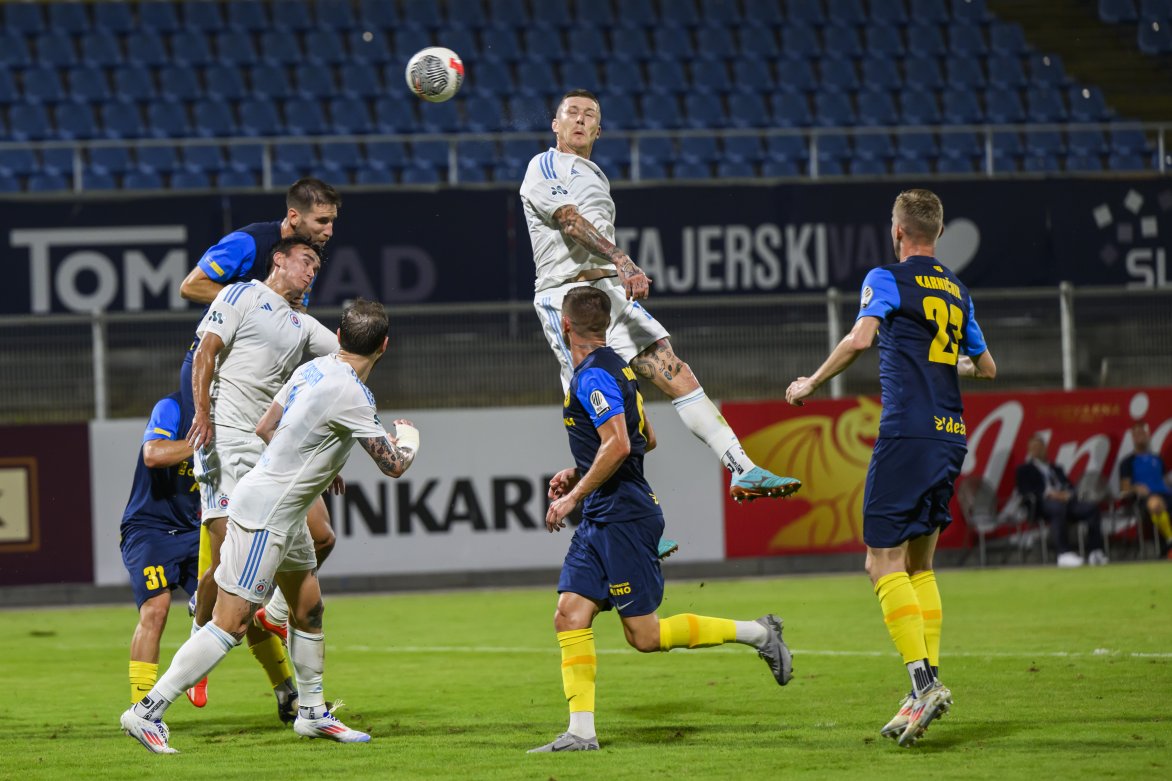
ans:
x=1055 y=674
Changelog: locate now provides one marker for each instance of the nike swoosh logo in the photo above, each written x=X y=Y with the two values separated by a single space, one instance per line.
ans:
x=624 y=605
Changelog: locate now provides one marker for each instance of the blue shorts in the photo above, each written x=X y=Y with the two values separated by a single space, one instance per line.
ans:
x=616 y=565
x=160 y=560
x=909 y=486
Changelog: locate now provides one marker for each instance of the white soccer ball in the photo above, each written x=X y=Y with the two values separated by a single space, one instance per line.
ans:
x=435 y=74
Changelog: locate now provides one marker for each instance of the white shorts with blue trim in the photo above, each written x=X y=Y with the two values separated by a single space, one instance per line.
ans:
x=632 y=328
x=221 y=466
x=251 y=558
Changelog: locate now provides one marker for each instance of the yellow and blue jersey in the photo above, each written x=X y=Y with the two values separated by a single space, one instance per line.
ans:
x=927 y=322
x=1144 y=469
x=233 y=258
x=164 y=498
x=602 y=387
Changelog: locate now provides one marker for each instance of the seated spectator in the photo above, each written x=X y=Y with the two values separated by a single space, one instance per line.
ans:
x=1046 y=485
x=1141 y=478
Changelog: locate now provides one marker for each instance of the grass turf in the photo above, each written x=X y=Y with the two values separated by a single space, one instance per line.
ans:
x=1054 y=673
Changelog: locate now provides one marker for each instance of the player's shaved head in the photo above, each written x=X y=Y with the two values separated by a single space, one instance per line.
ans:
x=364 y=327
x=920 y=214
x=306 y=193
x=588 y=310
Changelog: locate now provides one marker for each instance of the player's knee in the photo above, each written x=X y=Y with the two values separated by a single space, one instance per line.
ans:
x=568 y=621
x=309 y=619
x=152 y=616
x=1156 y=504
x=324 y=545
x=644 y=642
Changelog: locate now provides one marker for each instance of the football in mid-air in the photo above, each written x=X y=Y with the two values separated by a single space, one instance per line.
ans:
x=435 y=74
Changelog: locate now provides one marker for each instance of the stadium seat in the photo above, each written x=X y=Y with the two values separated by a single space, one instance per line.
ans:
x=491 y=76
x=711 y=76
x=203 y=157
x=55 y=50
x=874 y=146
x=121 y=119
x=235 y=47
x=797 y=41
x=43 y=85
x=639 y=12
x=1040 y=163
x=339 y=15
x=248 y=15
x=100 y=50
x=8 y=91
x=259 y=117
x=359 y=81
x=24 y=18
x=672 y=42
x=315 y=84
x=57 y=161
x=160 y=159
x=868 y=166
x=831 y=167
x=432 y=153
x=542 y=43
x=765 y=12
x=76 y=121
x=714 y=43
x=922 y=73
x=1087 y=105
x=107 y=159
x=834 y=109
x=961 y=108
x=846 y=12
x=205 y=17
x=14 y=51
x=88 y=85
x=393 y=115
x=1126 y=163
x=470 y=13
x=926 y=40
x=224 y=82
x=1155 y=36
x=781 y=168
x=191 y=49
x=484 y=114
x=833 y=148
x=657 y=149
x=651 y=171
x=805 y=11
x=142 y=180
x=350 y=116
x=1003 y=107
x=303 y=117
x=661 y=111
x=270 y=81
x=743 y=149
x=422 y=174
x=1155 y=9
x=793 y=75
x=212 y=118
x=971 y=10
x=1007 y=38
x=788 y=148
x=245 y=157
x=374 y=175
x=882 y=73
x=966 y=40
x=686 y=170
x=29 y=122
x=1128 y=141
x=876 y=107
x=839 y=75
x=439 y=118
x=964 y=74
x=915 y=145
x=735 y=169
x=907 y=166
x=1086 y=142
x=1047 y=70
x=113 y=17
x=704 y=110
x=1044 y=104
x=790 y=110
x=842 y=41
x=1007 y=144
x=929 y=11
x=1006 y=72
x=374 y=50
x=168 y=119
x=1116 y=11
x=500 y=43
x=964 y=145
x=1083 y=163
x=146 y=49
x=46 y=182
x=884 y=40
x=280 y=47
x=296 y=156
x=956 y=165
x=666 y=77
x=700 y=149
x=918 y=107
x=1044 y=142
x=98 y=180
x=759 y=42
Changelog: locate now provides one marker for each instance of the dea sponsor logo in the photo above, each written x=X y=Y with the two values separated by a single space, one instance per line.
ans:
x=1131 y=232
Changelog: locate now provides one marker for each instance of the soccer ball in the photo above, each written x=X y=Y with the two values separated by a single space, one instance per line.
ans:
x=435 y=74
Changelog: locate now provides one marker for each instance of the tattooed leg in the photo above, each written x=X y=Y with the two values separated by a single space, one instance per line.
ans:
x=659 y=364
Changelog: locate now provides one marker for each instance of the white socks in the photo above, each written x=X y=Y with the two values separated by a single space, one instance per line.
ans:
x=194 y=659
x=704 y=420
x=582 y=724
x=277 y=610
x=308 y=654
x=751 y=633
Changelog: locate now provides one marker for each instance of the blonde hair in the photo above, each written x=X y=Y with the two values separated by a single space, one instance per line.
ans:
x=920 y=213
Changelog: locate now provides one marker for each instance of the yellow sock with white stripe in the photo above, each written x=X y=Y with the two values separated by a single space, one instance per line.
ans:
x=142 y=679
x=579 y=669
x=905 y=624
x=688 y=630
x=931 y=608
x=272 y=656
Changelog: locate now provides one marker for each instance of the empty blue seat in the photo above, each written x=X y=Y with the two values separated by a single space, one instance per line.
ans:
x=121 y=119
x=874 y=146
x=965 y=74
x=743 y=149
x=833 y=148
x=379 y=13
x=270 y=81
x=846 y=11
x=766 y=12
x=881 y=72
x=365 y=46
x=661 y=111
x=280 y=47
x=248 y=15
x=296 y=156
x=1044 y=142
x=1086 y=142
x=1007 y=145
x=43 y=85
x=760 y=42
x=76 y=121
x=422 y=174
x=303 y=117
x=787 y=148
x=1126 y=163
x=46 y=182
x=205 y=17
x=212 y=118
x=146 y=49
x=621 y=113
x=966 y=40
x=315 y=83
x=656 y=149
x=57 y=161
x=1155 y=9
x=735 y=169
x=1083 y=163
x=142 y=180
x=1155 y=37
x=704 y=110
x=876 y=107
x=439 y=118
x=1006 y=72
x=110 y=159
x=780 y=168
x=972 y=10
x=542 y=43
x=666 y=76
x=113 y=17
x=918 y=107
x=203 y=157
x=890 y=12
x=868 y=166
x=934 y=11
x=796 y=41
x=672 y=42
x=55 y=49
x=245 y=157
x=639 y=12
x=686 y=170
x=908 y=166
x=29 y=122
x=393 y=115
x=956 y=165
x=793 y=75
x=100 y=50
x=806 y=11
x=791 y=110
x=965 y=145
x=1128 y=141
x=224 y=82
x=716 y=43
x=501 y=43
x=469 y=13
x=915 y=145
x=962 y=108
x=885 y=40
x=235 y=47
x=469 y=170
x=98 y=180
x=8 y=91
x=1116 y=11
x=1040 y=163
x=13 y=50
x=434 y=153
x=711 y=76
x=491 y=76
x=190 y=48
x=1087 y=104
x=1047 y=70
x=24 y=18
x=359 y=81
x=168 y=119
x=160 y=159
x=374 y=176
x=88 y=85
x=350 y=116
x=484 y=114
x=1045 y=105
x=525 y=114
x=832 y=167
x=926 y=40
x=236 y=178
x=842 y=41
x=1003 y=107
x=510 y=12
x=839 y=74
x=747 y=109
x=190 y=180
x=922 y=73
x=1007 y=38
x=699 y=149
x=834 y=109
x=339 y=15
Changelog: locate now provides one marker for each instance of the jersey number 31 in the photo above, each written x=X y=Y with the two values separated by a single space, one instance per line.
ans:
x=949 y=320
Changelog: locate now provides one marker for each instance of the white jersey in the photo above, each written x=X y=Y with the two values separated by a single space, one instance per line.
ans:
x=556 y=179
x=326 y=408
x=264 y=340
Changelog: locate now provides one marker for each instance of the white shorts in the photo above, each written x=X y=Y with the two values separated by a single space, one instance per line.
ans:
x=251 y=558
x=220 y=467
x=632 y=328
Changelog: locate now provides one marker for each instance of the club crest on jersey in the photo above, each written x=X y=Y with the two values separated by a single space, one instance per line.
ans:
x=261 y=588
x=599 y=402
x=868 y=293
x=294 y=319
x=223 y=501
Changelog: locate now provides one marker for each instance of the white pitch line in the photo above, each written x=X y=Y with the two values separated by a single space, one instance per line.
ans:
x=493 y=649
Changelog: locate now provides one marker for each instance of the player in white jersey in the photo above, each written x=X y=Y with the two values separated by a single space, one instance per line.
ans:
x=571 y=217
x=251 y=339
x=310 y=428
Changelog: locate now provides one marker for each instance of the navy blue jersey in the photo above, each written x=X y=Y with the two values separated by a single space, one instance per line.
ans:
x=1144 y=469
x=926 y=323
x=604 y=386
x=164 y=498
x=242 y=254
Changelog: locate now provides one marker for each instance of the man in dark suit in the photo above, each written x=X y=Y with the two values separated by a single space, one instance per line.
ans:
x=1051 y=492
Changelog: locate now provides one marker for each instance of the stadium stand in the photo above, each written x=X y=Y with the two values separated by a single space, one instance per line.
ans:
x=177 y=70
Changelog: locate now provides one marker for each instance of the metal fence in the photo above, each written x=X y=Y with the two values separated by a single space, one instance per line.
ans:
x=59 y=368
x=999 y=145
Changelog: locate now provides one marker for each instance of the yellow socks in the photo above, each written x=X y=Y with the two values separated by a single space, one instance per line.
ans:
x=1163 y=524
x=579 y=668
x=931 y=609
x=205 y=550
x=688 y=630
x=905 y=624
x=271 y=654
x=142 y=679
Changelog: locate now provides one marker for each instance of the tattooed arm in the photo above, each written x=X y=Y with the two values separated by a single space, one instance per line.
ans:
x=582 y=232
x=391 y=458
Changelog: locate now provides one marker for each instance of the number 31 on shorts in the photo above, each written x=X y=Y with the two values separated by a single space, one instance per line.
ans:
x=156 y=577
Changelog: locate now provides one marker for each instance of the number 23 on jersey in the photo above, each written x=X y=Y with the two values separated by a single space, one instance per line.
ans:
x=949 y=321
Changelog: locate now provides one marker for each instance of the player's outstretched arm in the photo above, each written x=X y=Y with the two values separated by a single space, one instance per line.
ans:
x=394 y=455
x=981 y=368
x=163 y=453
x=203 y=365
x=582 y=232
x=198 y=287
x=854 y=344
